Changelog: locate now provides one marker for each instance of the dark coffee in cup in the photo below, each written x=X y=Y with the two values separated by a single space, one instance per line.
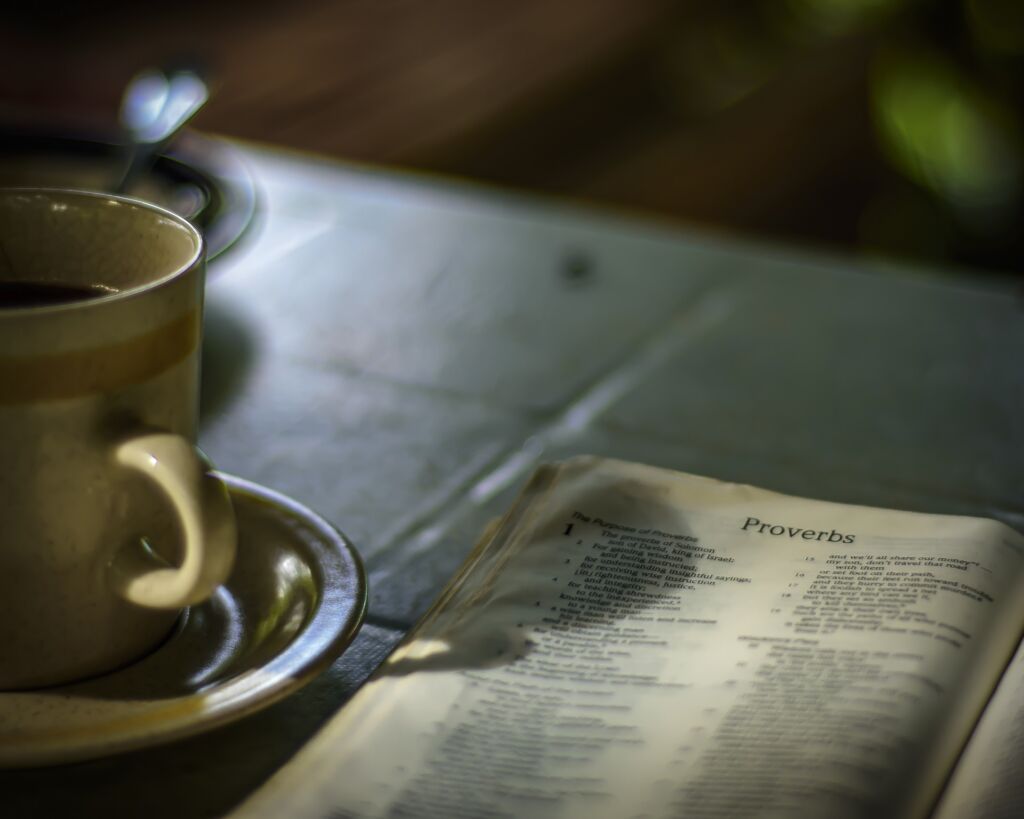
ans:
x=14 y=294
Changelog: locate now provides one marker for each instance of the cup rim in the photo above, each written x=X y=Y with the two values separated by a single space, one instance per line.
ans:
x=120 y=295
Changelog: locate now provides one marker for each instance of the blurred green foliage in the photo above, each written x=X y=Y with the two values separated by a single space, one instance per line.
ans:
x=946 y=95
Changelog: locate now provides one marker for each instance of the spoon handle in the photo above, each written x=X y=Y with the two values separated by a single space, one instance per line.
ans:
x=154 y=108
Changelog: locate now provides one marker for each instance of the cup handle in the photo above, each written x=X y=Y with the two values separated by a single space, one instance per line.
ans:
x=203 y=507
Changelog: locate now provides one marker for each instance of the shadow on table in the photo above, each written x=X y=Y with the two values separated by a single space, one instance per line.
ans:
x=230 y=348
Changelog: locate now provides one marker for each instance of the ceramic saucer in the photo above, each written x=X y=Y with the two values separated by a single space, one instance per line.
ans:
x=295 y=599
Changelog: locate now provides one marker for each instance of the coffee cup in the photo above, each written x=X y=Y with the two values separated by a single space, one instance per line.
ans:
x=111 y=520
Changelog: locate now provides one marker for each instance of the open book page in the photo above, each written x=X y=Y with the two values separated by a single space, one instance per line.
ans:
x=634 y=642
x=987 y=783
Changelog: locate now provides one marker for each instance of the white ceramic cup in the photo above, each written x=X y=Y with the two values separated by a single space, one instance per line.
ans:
x=110 y=519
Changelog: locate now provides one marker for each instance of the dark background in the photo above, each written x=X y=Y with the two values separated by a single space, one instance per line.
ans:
x=885 y=127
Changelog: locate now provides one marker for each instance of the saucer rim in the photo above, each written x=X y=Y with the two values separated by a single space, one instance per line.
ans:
x=321 y=640
x=209 y=163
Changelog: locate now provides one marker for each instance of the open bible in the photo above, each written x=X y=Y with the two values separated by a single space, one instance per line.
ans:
x=634 y=642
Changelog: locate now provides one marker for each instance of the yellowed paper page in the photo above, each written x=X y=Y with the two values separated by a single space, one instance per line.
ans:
x=635 y=642
x=988 y=781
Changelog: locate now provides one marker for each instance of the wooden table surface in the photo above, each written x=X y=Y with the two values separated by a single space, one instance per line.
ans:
x=399 y=353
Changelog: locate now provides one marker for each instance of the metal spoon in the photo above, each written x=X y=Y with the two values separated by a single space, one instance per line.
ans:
x=154 y=108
